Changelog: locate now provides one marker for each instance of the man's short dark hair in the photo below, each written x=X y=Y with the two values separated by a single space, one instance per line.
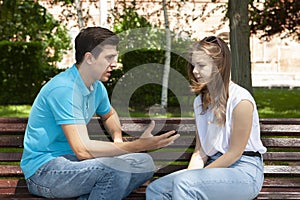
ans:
x=92 y=39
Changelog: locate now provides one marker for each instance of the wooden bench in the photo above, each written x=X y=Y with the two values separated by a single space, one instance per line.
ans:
x=280 y=136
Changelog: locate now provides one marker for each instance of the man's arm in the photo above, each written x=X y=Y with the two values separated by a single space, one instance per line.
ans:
x=112 y=124
x=84 y=148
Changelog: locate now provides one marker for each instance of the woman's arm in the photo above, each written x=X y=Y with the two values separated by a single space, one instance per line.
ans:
x=240 y=133
x=198 y=158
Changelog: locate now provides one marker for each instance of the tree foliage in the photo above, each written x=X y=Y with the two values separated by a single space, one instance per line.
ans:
x=27 y=21
x=31 y=42
x=275 y=17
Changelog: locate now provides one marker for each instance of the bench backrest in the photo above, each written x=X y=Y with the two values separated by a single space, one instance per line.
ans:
x=280 y=136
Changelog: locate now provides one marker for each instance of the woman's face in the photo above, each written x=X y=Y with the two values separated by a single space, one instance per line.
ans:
x=203 y=66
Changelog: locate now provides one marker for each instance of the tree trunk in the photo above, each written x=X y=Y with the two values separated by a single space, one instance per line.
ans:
x=79 y=13
x=239 y=43
x=165 y=80
x=103 y=13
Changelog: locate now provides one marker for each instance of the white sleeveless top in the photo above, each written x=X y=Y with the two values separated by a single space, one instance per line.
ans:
x=214 y=138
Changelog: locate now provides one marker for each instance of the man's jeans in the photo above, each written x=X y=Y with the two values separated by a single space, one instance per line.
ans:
x=241 y=181
x=109 y=178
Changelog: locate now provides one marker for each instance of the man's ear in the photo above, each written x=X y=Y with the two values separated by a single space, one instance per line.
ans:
x=89 y=58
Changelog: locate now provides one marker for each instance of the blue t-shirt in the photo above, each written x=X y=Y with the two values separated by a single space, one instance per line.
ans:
x=63 y=100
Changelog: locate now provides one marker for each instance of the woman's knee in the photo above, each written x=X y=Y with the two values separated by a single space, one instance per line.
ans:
x=152 y=190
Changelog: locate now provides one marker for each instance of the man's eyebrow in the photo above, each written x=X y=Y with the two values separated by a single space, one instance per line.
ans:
x=112 y=54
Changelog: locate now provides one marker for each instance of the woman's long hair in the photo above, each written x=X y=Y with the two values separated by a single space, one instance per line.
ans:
x=214 y=92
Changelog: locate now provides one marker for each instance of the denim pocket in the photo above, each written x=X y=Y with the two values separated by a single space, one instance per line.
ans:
x=38 y=190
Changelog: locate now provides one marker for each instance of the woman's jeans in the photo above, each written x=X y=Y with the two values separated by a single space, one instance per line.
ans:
x=109 y=178
x=243 y=180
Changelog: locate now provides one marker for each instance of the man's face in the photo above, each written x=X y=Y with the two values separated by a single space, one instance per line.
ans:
x=105 y=62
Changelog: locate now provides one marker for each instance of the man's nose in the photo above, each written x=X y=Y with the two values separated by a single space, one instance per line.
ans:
x=113 y=64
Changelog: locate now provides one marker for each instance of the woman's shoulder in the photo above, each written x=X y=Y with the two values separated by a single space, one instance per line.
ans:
x=237 y=90
x=238 y=93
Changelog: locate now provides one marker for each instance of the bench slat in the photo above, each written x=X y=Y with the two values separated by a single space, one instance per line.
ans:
x=280 y=129
x=180 y=156
x=10 y=170
x=183 y=141
x=11 y=140
x=280 y=121
x=10 y=157
x=279 y=170
x=279 y=193
x=282 y=156
x=281 y=142
x=282 y=169
x=271 y=182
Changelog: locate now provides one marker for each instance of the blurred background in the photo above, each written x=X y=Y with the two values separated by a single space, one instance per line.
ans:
x=36 y=43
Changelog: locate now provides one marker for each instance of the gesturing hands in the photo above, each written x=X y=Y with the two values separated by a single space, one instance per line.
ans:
x=155 y=142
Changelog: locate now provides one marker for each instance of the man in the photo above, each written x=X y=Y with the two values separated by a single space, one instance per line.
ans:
x=59 y=159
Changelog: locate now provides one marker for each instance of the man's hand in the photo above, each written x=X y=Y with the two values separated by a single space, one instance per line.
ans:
x=155 y=142
x=147 y=133
x=85 y=148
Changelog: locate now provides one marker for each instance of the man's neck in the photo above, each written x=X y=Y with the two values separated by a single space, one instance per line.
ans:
x=85 y=76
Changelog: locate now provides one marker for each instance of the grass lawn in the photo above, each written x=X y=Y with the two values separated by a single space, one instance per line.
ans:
x=271 y=103
x=15 y=111
x=277 y=102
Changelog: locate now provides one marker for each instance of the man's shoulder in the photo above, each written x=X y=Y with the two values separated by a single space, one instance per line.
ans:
x=63 y=79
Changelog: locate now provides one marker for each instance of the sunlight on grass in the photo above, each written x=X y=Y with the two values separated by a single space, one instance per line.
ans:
x=277 y=102
x=271 y=103
x=15 y=111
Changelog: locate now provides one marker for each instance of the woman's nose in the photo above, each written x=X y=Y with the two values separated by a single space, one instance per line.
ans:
x=195 y=71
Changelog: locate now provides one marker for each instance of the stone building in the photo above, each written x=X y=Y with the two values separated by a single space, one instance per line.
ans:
x=274 y=63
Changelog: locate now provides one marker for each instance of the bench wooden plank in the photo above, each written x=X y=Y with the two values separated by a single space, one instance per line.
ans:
x=10 y=170
x=10 y=156
x=272 y=182
x=280 y=121
x=283 y=129
x=15 y=170
x=282 y=156
x=163 y=169
x=282 y=169
x=279 y=193
x=139 y=194
x=183 y=141
x=11 y=141
x=174 y=156
x=281 y=142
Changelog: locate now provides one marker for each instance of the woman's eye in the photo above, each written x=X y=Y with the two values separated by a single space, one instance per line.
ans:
x=200 y=66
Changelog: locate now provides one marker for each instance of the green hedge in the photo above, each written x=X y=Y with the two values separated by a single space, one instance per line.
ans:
x=23 y=71
x=148 y=94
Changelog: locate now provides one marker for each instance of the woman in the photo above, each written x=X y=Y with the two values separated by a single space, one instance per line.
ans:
x=227 y=160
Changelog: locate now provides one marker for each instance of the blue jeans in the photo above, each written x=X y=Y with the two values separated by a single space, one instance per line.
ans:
x=243 y=180
x=100 y=178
